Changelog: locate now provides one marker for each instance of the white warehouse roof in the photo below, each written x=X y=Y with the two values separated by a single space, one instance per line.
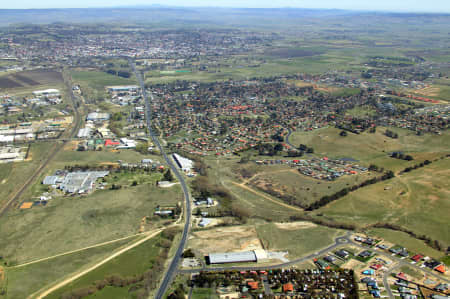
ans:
x=182 y=162
x=232 y=257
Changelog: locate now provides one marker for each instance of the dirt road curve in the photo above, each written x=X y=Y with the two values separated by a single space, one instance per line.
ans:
x=79 y=274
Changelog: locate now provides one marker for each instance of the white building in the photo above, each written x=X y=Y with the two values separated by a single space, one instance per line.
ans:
x=183 y=163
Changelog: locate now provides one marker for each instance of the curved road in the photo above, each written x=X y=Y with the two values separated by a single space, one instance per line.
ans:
x=339 y=241
x=342 y=240
x=173 y=267
x=287 y=138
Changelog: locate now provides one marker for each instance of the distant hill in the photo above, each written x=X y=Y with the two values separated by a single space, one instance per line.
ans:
x=162 y=15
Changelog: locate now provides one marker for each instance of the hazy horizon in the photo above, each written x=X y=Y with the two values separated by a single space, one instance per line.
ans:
x=432 y=6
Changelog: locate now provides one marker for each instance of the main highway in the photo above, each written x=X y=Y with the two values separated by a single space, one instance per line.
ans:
x=173 y=267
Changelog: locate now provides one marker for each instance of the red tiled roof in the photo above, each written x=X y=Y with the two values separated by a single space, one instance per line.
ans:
x=253 y=285
x=288 y=287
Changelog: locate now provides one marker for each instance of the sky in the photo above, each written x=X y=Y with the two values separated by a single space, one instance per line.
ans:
x=442 y=6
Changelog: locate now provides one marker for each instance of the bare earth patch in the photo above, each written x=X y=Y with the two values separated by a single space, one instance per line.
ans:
x=352 y=264
x=225 y=239
x=295 y=225
x=429 y=91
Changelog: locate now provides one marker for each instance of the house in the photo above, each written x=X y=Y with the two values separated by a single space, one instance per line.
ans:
x=368 y=272
x=365 y=254
x=367 y=280
x=382 y=246
x=376 y=266
x=109 y=142
x=440 y=269
x=330 y=259
x=369 y=241
x=432 y=264
x=322 y=264
x=417 y=258
x=204 y=222
x=253 y=285
x=375 y=293
x=401 y=275
x=288 y=287
x=342 y=253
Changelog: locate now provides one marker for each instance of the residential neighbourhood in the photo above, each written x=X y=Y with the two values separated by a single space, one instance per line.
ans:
x=184 y=152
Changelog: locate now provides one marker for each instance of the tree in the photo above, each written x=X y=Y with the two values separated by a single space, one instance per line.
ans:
x=302 y=147
x=244 y=159
x=168 y=176
x=408 y=158
x=373 y=167
x=343 y=133
x=278 y=147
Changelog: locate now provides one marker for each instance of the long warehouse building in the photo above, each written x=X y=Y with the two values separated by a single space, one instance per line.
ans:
x=237 y=257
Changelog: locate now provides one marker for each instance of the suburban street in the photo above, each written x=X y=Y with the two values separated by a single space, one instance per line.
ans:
x=168 y=276
x=338 y=242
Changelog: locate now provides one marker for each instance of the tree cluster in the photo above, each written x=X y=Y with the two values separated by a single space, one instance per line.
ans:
x=391 y=134
x=401 y=156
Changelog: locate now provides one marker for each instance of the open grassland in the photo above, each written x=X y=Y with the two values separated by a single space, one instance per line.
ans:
x=301 y=188
x=14 y=175
x=258 y=206
x=131 y=263
x=374 y=148
x=418 y=200
x=70 y=223
x=298 y=239
x=228 y=173
x=26 y=280
x=98 y=80
x=405 y=240
x=204 y=293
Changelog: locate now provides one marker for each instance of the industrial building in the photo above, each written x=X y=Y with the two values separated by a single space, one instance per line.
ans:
x=237 y=257
x=46 y=92
x=84 y=132
x=98 y=116
x=183 y=163
x=75 y=182
x=128 y=88
x=126 y=143
x=12 y=154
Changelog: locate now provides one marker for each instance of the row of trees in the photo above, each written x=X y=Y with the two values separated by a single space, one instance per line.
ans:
x=408 y=169
x=428 y=240
x=123 y=74
x=391 y=134
x=341 y=193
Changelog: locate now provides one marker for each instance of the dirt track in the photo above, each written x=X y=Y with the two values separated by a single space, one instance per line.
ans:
x=43 y=293
x=75 y=251
x=268 y=198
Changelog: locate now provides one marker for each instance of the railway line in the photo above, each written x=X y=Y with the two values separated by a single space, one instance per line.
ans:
x=54 y=151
